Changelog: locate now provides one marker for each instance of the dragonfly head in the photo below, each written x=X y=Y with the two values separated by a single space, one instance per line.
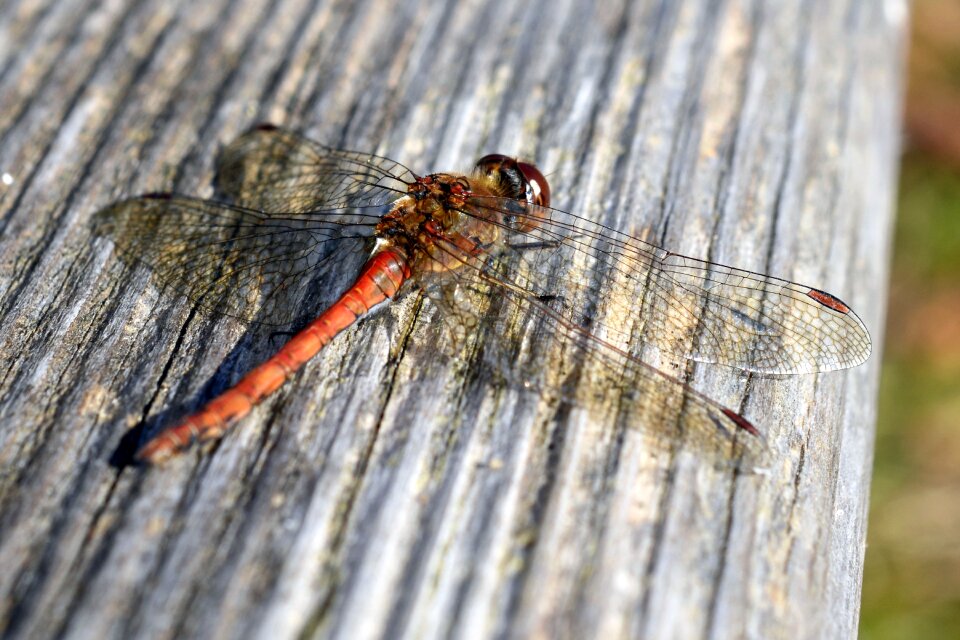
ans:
x=519 y=180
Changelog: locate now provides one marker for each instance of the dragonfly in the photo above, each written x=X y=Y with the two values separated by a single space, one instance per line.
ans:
x=296 y=211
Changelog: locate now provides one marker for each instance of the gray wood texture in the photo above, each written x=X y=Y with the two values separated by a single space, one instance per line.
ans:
x=388 y=491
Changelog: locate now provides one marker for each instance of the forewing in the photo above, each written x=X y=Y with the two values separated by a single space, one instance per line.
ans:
x=276 y=170
x=629 y=290
x=233 y=260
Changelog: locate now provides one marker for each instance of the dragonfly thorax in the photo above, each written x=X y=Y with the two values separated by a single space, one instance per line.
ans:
x=437 y=227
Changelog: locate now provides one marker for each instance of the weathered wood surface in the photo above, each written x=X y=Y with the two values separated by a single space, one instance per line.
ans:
x=386 y=492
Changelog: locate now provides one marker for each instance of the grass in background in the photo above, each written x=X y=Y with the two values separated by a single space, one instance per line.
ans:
x=911 y=585
x=912 y=576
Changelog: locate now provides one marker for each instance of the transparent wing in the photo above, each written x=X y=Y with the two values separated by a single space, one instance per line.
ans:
x=276 y=170
x=234 y=260
x=625 y=289
x=659 y=404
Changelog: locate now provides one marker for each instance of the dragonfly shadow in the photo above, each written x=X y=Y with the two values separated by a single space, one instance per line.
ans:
x=123 y=455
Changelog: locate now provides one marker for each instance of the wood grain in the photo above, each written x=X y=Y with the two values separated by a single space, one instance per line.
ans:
x=391 y=490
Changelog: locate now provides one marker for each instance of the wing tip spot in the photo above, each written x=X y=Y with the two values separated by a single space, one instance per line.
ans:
x=741 y=422
x=829 y=300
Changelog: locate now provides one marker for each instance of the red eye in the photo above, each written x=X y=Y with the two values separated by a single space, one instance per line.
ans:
x=538 y=189
x=521 y=180
x=493 y=164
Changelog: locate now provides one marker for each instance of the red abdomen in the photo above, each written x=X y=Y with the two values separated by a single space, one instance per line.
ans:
x=380 y=279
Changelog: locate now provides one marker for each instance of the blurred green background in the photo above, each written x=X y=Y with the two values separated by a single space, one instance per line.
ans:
x=911 y=585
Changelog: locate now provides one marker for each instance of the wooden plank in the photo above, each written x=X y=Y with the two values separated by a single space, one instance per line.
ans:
x=390 y=490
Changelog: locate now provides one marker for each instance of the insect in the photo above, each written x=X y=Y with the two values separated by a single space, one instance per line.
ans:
x=299 y=209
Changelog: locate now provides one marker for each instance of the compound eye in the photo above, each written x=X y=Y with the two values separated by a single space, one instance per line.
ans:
x=494 y=163
x=519 y=181
x=522 y=180
x=538 y=189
